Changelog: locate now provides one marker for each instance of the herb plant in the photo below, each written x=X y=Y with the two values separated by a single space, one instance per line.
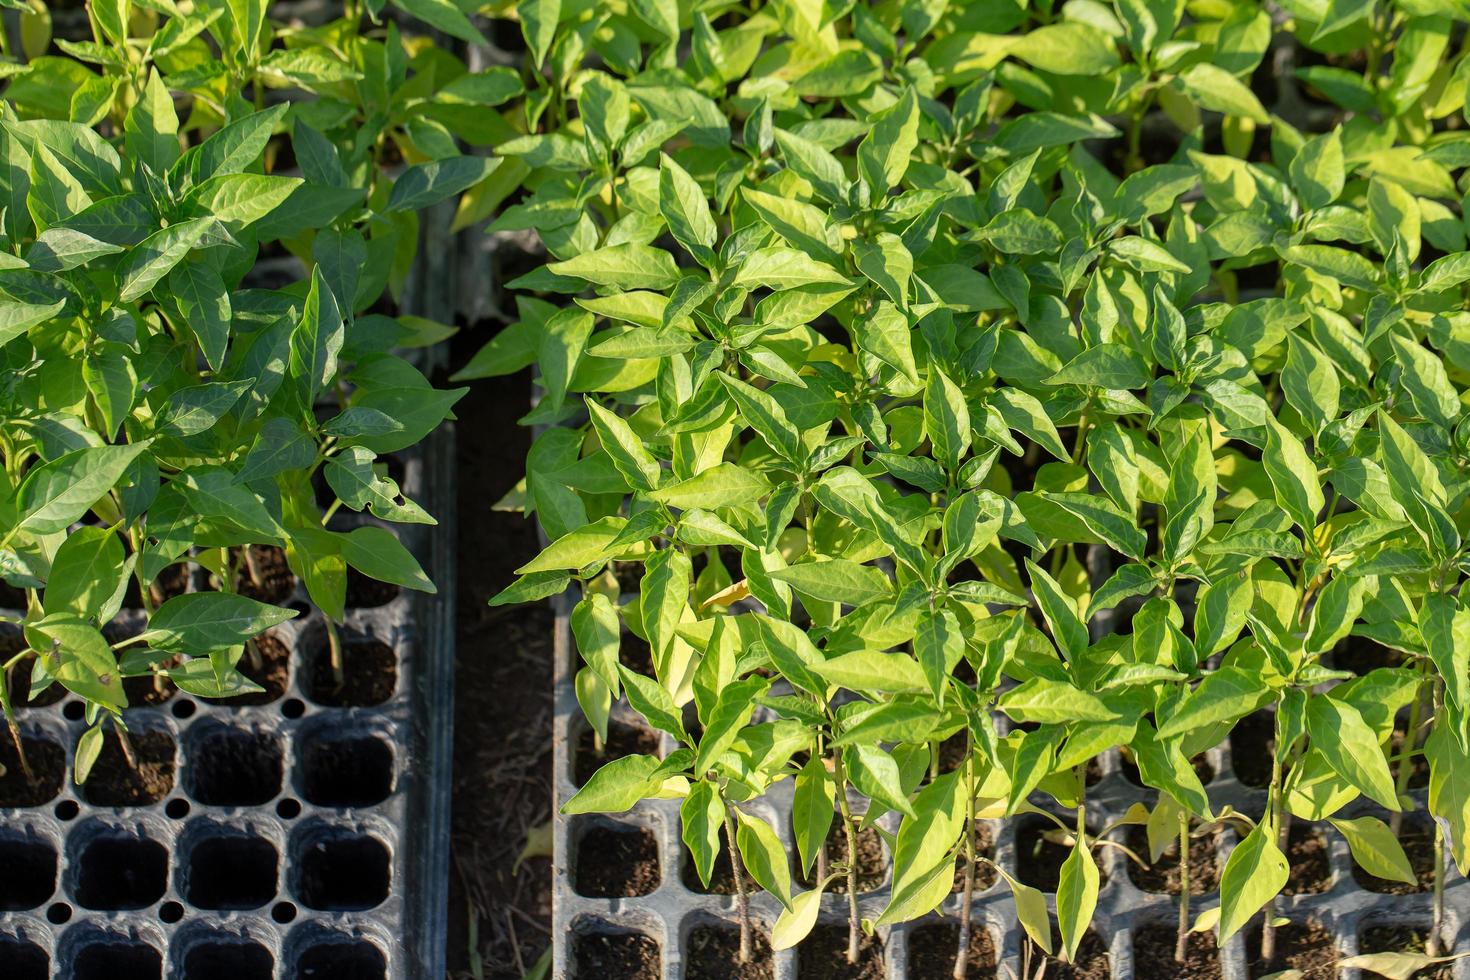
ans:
x=1009 y=376
x=171 y=401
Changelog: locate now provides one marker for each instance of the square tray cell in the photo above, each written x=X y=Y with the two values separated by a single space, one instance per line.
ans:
x=118 y=870
x=116 y=958
x=345 y=769
x=342 y=959
x=338 y=870
x=234 y=766
x=228 y=956
x=231 y=871
x=24 y=960
x=27 y=872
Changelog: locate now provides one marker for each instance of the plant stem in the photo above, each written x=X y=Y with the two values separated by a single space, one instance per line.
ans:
x=20 y=748
x=1432 y=947
x=1268 y=928
x=1406 y=755
x=127 y=749
x=742 y=902
x=962 y=954
x=1181 y=944
x=334 y=655
x=854 y=923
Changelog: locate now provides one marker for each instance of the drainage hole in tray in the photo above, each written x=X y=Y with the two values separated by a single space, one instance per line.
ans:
x=176 y=808
x=616 y=862
x=232 y=872
x=170 y=912
x=27 y=873
x=119 y=871
x=235 y=767
x=288 y=809
x=58 y=913
x=23 y=960
x=235 y=959
x=359 y=960
x=68 y=810
x=283 y=912
x=343 y=873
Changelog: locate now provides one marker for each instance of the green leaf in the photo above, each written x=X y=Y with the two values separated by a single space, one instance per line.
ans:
x=701 y=818
x=1076 y=897
x=764 y=856
x=626 y=266
x=426 y=184
x=1293 y=476
x=684 y=207
x=1212 y=87
x=1338 y=731
x=883 y=155
x=1051 y=702
x=201 y=622
x=616 y=787
x=1376 y=849
x=153 y=258
x=1254 y=873
x=55 y=495
x=1223 y=697
x=836 y=580
x=1067 y=48
x=377 y=553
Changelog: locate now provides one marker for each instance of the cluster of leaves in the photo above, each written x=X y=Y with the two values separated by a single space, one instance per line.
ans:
x=1006 y=375
x=177 y=394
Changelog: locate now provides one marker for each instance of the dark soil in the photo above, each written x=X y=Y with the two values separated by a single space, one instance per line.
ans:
x=870 y=868
x=629 y=955
x=502 y=705
x=48 y=765
x=270 y=668
x=172 y=581
x=952 y=753
x=1251 y=744
x=369 y=675
x=113 y=782
x=1093 y=962
x=713 y=953
x=635 y=654
x=1163 y=876
x=1417 y=839
x=369 y=593
x=1304 y=946
x=985 y=875
x=1403 y=939
x=616 y=863
x=19 y=682
x=1153 y=954
x=1311 y=872
x=1362 y=656
x=1038 y=860
x=622 y=740
x=274 y=582
x=149 y=690
x=11 y=597
x=823 y=956
x=932 y=952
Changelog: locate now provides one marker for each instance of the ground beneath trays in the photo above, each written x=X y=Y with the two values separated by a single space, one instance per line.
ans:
x=499 y=915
